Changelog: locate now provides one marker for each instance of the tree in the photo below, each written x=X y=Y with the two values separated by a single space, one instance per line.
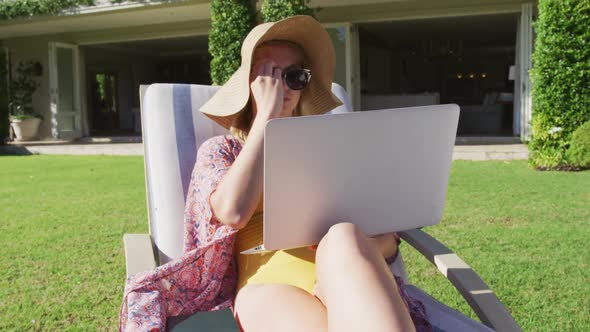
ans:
x=231 y=21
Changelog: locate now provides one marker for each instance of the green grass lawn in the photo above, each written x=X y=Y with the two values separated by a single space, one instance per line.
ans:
x=62 y=220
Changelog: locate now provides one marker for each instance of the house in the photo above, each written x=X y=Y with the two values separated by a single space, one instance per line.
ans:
x=390 y=53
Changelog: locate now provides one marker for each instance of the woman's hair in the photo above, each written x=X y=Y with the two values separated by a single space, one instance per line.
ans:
x=243 y=121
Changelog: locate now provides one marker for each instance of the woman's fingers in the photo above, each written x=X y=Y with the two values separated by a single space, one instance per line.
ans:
x=267 y=89
x=268 y=68
x=262 y=68
x=277 y=73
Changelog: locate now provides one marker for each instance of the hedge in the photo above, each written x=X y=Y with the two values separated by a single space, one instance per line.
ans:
x=26 y=8
x=578 y=153
x=231 y=20
x=561 y=80
x=276 y=10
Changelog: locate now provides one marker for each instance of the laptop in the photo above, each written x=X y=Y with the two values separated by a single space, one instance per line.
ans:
x=384 y=170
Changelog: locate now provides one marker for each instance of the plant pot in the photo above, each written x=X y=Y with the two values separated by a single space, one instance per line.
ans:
x=25 y=130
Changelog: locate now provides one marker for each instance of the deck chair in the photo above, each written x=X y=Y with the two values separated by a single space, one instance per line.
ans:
x=173 y=129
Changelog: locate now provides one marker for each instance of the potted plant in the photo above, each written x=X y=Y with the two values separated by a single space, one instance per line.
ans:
x=23 y=119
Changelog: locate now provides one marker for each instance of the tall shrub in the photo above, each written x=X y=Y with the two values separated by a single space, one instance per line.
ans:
x=276 y=10
x=561 y=79
x=231 y=20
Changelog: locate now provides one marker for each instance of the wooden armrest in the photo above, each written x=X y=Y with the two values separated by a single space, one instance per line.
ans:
x=474 y=290
x=139 y=253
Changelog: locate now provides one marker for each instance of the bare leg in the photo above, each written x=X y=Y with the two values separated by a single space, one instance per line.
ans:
x=355 y=284
x=277 y=307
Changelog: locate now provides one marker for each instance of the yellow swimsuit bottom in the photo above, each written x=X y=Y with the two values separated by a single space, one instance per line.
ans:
x=292 y=267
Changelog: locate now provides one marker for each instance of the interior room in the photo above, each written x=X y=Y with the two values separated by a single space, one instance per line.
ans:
x=115 y=71
x=468 y=61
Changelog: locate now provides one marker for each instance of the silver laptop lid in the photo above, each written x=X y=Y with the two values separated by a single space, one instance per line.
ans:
x=383 y=170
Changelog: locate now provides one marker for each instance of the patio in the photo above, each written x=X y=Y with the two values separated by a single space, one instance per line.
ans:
x=466 y=148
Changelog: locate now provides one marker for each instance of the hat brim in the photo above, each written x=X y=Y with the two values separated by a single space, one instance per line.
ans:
x=316 y=98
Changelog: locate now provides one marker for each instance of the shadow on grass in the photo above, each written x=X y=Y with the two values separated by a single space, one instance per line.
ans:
x=14 y=150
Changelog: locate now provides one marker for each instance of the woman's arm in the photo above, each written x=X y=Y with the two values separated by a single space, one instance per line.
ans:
x=239 y=192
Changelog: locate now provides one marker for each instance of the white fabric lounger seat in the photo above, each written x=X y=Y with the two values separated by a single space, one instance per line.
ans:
x=173 y=129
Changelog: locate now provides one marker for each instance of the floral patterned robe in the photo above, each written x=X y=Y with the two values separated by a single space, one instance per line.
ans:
x=204 y=277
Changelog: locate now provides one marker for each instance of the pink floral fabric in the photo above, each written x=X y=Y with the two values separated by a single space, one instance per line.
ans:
x=204 y=277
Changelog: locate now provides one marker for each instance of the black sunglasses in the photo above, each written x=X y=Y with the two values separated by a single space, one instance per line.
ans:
x=297 y=78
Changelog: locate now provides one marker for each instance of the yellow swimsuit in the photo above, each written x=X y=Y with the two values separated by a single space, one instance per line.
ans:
x=292 y=267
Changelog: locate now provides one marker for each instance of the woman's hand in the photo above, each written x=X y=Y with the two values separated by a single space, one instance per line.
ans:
x=267 y=90
x=386 y=243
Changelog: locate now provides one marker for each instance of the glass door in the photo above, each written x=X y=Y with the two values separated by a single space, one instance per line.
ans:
x=103 y=108
x=4 y=83
x=345 y=41
x=64 y=92
x=523 y=101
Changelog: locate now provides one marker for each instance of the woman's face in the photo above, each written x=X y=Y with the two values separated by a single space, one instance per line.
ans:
x=284 y=56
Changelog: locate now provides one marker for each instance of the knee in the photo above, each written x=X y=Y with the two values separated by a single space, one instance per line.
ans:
x=341 y=238
x=248 y=297
x=248 y=304
x=342 y=232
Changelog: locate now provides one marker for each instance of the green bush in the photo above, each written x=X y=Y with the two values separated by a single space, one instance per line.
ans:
x=578 y=154
x=276 y=10
x=231 y=20
x=26 y=8
x=22 y=88
x=561 y=79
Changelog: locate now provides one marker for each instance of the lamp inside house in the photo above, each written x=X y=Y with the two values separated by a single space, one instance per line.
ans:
x=512 y=73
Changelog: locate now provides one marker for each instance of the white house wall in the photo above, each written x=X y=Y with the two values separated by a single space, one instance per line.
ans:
x=117 y=16
x=35 y=48
x=192 y=18
x=146 y=32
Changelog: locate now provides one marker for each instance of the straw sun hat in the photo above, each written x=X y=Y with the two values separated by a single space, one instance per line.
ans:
x=305 y=31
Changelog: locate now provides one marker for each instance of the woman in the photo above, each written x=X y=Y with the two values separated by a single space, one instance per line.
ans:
x=354 y=289
x=345 y=285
